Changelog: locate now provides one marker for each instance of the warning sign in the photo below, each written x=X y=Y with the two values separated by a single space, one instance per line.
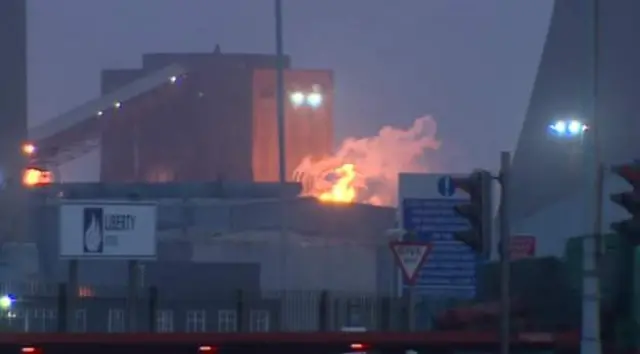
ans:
x=410 y=256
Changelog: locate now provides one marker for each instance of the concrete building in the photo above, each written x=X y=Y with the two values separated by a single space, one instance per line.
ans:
x=195 y=117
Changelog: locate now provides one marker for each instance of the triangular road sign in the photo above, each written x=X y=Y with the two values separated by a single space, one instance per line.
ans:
x=410 y=256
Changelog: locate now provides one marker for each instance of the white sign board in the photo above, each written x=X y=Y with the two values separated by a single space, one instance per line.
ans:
x=410 y=256
x=107 y=230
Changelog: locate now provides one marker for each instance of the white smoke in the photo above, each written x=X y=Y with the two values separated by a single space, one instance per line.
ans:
x=378 y=160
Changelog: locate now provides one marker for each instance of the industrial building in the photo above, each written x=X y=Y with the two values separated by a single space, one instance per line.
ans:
x=13 y=88
x=547 y=170
x=195 y=117
x=13 y=115
x=215 y=239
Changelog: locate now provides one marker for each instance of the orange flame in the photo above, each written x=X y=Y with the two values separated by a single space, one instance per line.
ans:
x=365 y=170
x=35 y=177
x=343 y=190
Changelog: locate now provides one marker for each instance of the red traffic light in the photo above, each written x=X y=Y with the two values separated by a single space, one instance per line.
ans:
x=630 y=172
x=473 y=184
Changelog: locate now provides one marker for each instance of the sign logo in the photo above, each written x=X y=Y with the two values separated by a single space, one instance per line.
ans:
x=446 y=187
x=93 y=230
x=410 y=256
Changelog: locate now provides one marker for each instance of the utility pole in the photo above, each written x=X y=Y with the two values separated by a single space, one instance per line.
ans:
x=282 y=153
x=505 y=261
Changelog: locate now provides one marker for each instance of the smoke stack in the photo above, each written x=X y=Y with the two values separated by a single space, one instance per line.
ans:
x=13 y=115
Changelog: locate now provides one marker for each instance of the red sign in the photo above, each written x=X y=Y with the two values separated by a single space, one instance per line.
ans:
x=522 y=246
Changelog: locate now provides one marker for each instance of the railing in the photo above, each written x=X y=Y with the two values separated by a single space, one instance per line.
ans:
x=111 y=311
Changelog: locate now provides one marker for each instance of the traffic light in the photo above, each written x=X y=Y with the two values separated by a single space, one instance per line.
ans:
x=630 y=201
x=477 y=211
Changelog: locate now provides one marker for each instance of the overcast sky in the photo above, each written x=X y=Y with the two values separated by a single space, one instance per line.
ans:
x=469 y=63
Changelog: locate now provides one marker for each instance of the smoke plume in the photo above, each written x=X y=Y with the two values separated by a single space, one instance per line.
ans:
x=377 y=160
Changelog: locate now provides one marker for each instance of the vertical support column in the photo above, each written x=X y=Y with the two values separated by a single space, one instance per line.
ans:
x=63 y=308
x=505 y=261
x=132 y=296
x=72 y=295
x=153 y=309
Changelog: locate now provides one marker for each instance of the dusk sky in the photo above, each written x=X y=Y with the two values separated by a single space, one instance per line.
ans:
x=468 y=63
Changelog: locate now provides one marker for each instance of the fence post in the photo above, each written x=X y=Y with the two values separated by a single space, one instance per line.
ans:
x=153 y=309
x=407 y=311
x=63 y=308
x=323 y=311
x=385 y=313
x=240 y=310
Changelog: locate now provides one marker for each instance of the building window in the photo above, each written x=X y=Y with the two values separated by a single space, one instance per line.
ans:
x=80 y=321
x=227 y=321
x=259 y=321
x=164 y=321
x=196 y=320
x=44 y=319
x=116 y=320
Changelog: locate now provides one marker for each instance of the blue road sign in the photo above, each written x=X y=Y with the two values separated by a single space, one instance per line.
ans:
x=446 y=188
x=450 y=270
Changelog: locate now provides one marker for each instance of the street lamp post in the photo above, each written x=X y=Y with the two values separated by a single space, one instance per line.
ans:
x=282 y=157
x=573 y=128
x=592 y=244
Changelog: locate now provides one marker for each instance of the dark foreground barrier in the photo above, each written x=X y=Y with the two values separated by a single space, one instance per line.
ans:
x=450 y=342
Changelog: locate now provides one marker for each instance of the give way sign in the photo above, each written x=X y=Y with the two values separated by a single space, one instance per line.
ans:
x=410 y=256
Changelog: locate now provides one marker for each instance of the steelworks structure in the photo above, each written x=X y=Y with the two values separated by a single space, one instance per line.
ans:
x=547 y=170
x=337 y=248
x=193 y=117
x=13 y=88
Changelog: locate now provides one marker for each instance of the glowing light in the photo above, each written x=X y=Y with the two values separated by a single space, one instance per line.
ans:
x=342 y=190
x=297 y=98
x=173 y=79
x=100 y=113
x=36 y=177
x=117 y=104
x=358 y=346
x=314 y=99
x=568 y=128
x=6 y=301
x=28 y=149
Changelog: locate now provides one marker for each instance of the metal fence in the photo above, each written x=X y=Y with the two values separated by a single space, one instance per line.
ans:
x=54 y=309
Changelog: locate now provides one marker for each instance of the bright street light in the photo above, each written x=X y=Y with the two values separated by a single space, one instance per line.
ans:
x=568 y=128
x=311 y=99
x=314 y=99
x=5 y=302
x=28 y=149
x=297 y=98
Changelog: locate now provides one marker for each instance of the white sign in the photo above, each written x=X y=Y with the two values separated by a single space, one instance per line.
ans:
x=410 y=256
x=106 y=229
